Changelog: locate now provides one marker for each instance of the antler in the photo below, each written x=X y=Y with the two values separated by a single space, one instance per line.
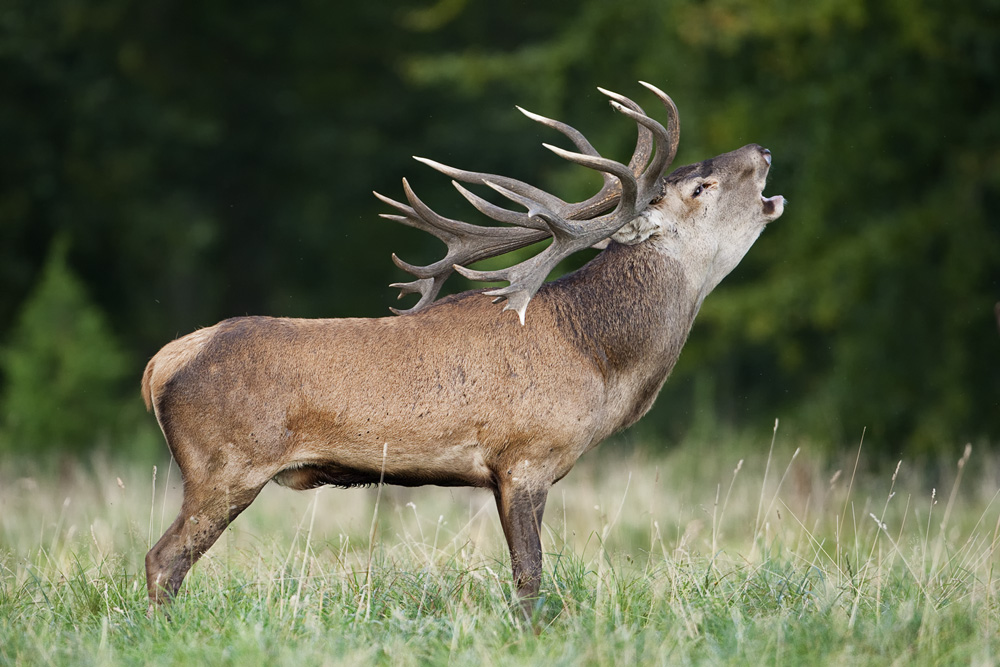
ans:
x=627 y=191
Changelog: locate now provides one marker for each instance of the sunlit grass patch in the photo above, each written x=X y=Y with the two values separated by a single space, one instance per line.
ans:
x=721 y=552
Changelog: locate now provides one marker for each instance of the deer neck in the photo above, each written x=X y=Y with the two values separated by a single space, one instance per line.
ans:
x=630 y=309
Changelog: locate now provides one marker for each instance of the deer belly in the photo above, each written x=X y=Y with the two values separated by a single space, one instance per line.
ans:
x=350 y=464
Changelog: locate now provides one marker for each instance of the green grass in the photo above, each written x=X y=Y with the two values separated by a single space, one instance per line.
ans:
x=715 y=552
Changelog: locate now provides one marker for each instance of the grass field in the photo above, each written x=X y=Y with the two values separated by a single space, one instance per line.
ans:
x=723 y=552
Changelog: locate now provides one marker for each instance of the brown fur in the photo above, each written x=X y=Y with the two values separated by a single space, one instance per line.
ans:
x=455 y=394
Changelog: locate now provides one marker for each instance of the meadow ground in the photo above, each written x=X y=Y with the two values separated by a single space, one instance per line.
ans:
x=721 y=552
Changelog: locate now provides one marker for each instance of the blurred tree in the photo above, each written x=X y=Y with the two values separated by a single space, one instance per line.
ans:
x=64 y=368
x=216 y=158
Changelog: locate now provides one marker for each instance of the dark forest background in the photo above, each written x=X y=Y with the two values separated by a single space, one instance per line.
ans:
x=166 y=164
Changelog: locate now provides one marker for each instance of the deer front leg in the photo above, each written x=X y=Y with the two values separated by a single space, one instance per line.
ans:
x=521 y=508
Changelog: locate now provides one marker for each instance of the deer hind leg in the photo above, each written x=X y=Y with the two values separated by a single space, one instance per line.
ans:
x=521 y=510
x=208 y=507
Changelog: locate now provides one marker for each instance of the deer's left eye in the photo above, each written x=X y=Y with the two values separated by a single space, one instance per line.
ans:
x=698 y=190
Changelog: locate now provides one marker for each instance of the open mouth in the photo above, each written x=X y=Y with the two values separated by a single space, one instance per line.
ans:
x=773 y=206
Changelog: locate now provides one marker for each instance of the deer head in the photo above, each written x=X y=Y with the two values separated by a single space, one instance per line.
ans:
x=710 y=213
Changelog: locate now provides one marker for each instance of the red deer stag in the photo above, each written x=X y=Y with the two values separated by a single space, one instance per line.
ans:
x=454 y=392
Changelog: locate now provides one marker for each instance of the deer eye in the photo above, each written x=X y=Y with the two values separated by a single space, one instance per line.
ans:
x=697 y=191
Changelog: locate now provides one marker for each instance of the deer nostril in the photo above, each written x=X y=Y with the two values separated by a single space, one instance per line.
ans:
x=767 y=155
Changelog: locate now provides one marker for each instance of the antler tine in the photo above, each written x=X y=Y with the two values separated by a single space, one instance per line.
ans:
x=510 y=183
x=644 y=142
x=427 y=288
x=571 y=132
x=425 y=219
x=671 y=137
x=403 y=208
x=498 y=213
